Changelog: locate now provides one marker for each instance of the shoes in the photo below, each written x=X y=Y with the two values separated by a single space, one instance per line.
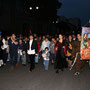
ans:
x=62 y=70
x=52 y=63
x=16 y=66
x=1 y=62
x=8 y=60
x=57 y=71
x=30 y=70
x=4 y=64
x=10 y=70
x=24 y=64
x=77 y=73
x=36 y=63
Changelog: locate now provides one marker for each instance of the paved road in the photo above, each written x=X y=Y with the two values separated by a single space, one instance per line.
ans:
x=40 y=79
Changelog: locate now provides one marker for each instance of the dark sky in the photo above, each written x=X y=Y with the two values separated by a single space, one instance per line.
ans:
x=75 y=8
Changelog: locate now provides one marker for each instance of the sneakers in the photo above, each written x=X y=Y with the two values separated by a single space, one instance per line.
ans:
x=24 y=64
x=1 y=63
x=4 y=64
x=16 y=66
x=77 y=73
x=57 y=71
x=30 y=70
x=10 y=70
x=8 y=60
x=62 y=69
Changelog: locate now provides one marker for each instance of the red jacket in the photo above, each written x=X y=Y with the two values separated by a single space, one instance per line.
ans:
x=38 y=46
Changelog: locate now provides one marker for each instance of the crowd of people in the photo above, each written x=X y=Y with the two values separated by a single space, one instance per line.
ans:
x=60 y=50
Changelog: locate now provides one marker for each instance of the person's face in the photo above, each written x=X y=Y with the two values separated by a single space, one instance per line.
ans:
x=35 y=39
x=57 y=39
x=46 y=50
x=46 y=39
x=53 y=39
x=78 y=36
x=43 y=37
x=20 y=41
x=39 y=38
x=35 y=35
x=30 y=37
x=70 y=37
x=73 y=36
x=13 y=36
x=60 y=37
x=26 y=39
x=47 y=35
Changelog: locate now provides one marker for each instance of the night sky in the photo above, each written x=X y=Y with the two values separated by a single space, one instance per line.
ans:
x=75 y=8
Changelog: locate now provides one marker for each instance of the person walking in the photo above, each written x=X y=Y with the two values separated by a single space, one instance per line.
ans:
x=32 y=50
x=60 y=50
x=13 y=50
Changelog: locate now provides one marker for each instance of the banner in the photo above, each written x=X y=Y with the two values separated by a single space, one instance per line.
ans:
x=85 y=43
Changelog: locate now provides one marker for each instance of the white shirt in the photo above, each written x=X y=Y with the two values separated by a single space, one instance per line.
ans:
x=45 y=44
x=30 y=52
x=45 y=57
x=5 y=46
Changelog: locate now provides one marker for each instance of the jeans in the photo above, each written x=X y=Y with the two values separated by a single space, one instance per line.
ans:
x=24 y=59
x=52 y=57
x=46 y=64
x=36 y=59
x=8 y=58
x=40 y=55
x=19 y=58
x=13 y=58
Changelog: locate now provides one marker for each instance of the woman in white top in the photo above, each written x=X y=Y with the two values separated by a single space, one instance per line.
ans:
x=5 y=49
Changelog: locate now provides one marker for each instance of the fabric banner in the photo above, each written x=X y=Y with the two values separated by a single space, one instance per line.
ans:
x=85 y=43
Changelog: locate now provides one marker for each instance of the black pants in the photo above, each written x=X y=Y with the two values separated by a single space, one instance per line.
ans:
x=32 y=62
x=1 y=54
x=5 y=56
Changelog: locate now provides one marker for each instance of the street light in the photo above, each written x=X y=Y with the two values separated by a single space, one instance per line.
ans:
x=56 y=21
x=53 y=22
x=37 y=7
x=30 y=8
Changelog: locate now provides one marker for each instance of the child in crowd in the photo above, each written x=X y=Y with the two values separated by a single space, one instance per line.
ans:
x=45 y=56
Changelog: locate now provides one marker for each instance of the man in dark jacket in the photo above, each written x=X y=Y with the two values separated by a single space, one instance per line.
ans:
x=13 y=50
x=32 y=50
